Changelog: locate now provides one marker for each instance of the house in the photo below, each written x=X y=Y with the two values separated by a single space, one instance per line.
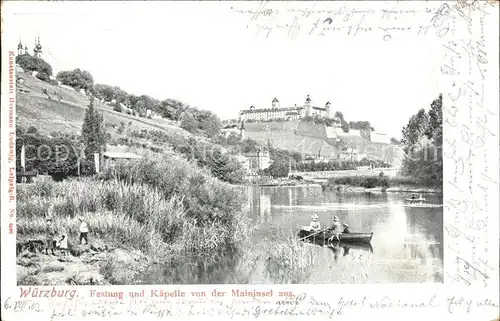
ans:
x=110 y=158
x=380 y=138
x=235 y=129
x=258 y=160
x=350 y=154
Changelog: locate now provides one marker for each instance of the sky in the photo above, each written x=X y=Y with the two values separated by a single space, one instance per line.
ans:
x=207 y=55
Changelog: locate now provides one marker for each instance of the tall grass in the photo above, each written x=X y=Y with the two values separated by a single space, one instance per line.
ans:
x=285 y=258
x=160 y=206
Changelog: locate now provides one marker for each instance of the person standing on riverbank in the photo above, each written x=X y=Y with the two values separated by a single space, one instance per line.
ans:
x=63 y=244
x=84 y=231
x=50 y=233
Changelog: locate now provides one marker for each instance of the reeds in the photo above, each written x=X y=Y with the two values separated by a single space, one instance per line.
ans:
x=158 y=206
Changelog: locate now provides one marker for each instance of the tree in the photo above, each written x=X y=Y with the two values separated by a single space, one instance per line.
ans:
x=31 y=63
x=77 y=78
x=172 y=109
x=423 y=139
x=93 y=131
x=395 y=141
x=249 y=145
x=343 y=124
x=225 y=167
x=208 y=122
x=189 y=123
x=416 y=127
x=278 y=168
x=42 y=76
x=435 y=129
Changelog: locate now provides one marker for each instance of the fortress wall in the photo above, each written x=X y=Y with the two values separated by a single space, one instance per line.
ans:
x=310 y=129
x=285 y=126
x=294 y=143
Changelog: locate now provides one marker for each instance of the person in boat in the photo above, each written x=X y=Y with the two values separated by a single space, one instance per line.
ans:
x=335 y=229
x=413 y=197
x=420 y=198
x=314 y=226
x=346 y=229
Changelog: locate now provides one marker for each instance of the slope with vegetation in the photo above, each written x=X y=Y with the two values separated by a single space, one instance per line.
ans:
x=164 y=207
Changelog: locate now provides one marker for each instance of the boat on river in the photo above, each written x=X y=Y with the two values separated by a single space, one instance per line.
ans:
x=415 y=201
x=347 y=238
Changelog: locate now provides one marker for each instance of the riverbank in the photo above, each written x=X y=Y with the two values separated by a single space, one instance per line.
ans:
x=272 y=182
x=395 y=189
x=163 y=208
x=98 y=263
x=379 y=184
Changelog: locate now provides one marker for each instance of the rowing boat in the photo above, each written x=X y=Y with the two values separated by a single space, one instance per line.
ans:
x=348 y=238
x=415 y=200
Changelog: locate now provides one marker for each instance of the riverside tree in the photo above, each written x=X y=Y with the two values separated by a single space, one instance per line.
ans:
x=93 y=132
x=423 y=141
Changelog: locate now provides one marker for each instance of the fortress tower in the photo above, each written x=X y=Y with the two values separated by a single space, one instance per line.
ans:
x=276 y=103
x=308 y=106
x=328 y=110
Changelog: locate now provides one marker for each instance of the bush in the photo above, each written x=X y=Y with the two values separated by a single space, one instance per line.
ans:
x=42 y=76
x=117 y=107
x=205 y=198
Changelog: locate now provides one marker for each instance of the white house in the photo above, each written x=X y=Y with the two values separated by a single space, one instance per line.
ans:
x=380 y=138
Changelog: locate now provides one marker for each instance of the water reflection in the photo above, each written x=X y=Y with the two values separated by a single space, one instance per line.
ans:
x=408 y=240
x=406 y=244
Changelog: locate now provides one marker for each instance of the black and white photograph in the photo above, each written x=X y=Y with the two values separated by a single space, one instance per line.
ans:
x=181 y=143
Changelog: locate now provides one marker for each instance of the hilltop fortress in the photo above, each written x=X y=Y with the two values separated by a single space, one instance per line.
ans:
x=276 y=112
x=297 y=129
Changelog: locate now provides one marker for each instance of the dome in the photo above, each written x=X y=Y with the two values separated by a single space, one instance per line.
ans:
x=327 y=103
x=308 y=99
x=39 y=46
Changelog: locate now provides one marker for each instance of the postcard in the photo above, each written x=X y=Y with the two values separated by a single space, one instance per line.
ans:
x=250 y=160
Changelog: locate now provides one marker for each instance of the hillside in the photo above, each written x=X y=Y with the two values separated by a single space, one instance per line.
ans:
x=313 y=139
x=65 y=109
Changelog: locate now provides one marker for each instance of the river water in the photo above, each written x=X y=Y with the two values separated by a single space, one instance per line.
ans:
x=407 y=244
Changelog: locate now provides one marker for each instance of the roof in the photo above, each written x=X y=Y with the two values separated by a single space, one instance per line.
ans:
x=241 y=158
x=230 y=126
x=263 y=110
x=123 y=155
x=379 y=138
x=275 y=100
x=318 y=108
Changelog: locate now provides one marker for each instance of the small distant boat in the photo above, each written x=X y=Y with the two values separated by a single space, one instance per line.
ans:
x=415 y=201
x=347 y=238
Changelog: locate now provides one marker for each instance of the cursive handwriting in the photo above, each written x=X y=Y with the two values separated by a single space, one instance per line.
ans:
x=301 y=305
